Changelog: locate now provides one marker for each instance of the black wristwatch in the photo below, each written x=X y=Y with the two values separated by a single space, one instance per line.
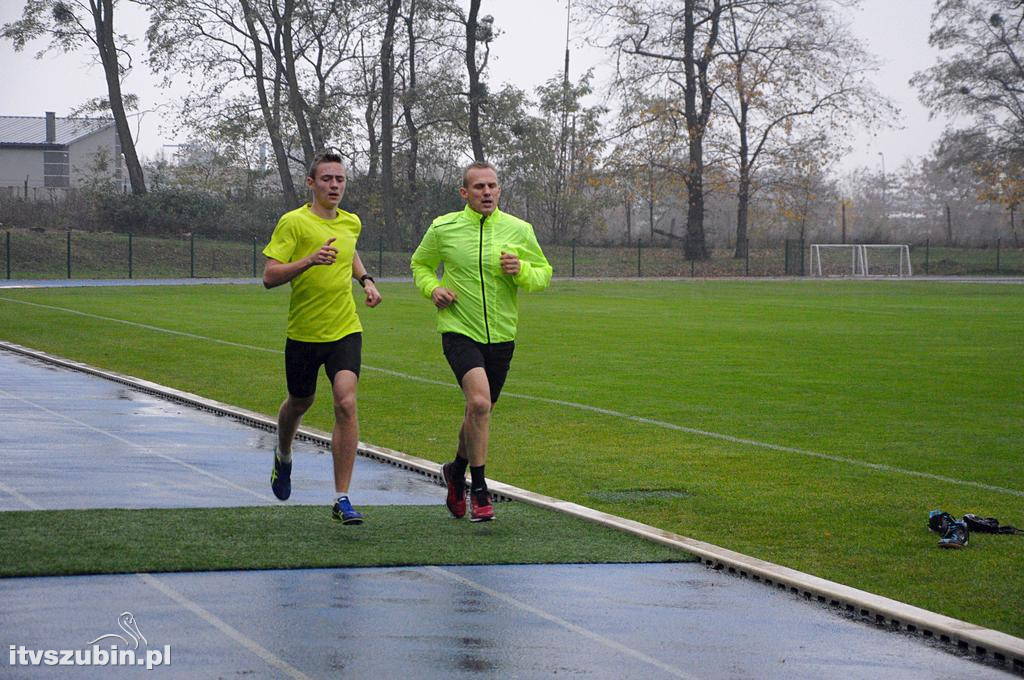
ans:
x=364 y=278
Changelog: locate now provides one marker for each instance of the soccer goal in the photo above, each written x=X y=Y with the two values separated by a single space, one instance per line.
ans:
x=860 y=259
x=836 y=259
x=884 y=259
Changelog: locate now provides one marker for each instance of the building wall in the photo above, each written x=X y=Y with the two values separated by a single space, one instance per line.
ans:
x=15 y=164
x=83 y=154
x=49 y=169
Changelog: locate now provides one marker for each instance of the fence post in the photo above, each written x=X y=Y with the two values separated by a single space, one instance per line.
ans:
x=69 y=253
x=130 y=258
x=192 y=255
x=998 y=244
x=927 y=248
x=692 y=266
x=8 y=251
x=746 y=257
x=639 y=245
x=574 y=258
x=380 y=256
x=254 y=257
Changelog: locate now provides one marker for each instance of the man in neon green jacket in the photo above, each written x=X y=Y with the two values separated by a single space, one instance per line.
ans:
x=488 y=256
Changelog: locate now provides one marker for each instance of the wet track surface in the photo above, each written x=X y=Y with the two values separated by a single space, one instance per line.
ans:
x=74 y=441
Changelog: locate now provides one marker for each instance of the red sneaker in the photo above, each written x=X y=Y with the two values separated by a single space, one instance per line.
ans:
x=456 y=500
x=481 y=510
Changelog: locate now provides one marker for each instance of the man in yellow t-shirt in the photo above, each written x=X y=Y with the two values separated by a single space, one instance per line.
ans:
x=314 y=249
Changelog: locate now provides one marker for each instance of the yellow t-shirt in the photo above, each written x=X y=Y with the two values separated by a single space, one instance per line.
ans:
x=322 y=308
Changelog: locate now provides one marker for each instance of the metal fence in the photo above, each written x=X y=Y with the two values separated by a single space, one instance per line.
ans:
x=42 y=254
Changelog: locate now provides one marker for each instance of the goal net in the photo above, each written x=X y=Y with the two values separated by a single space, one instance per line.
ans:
x=836 y=259
x=860 y=259
x=881 y=259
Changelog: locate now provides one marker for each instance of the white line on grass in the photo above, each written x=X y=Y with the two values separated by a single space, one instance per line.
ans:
x=766 y=445
x=140 y=447
x=558 y=621
x=224 y=627
x=136 y=324
x=581 y=407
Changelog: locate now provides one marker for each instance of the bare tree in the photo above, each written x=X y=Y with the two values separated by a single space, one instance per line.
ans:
x=478 y=30
x=218 y=46
x=63 y=22
x=669 y=47
x=796 y=78
x=979 y=79
x=302 y=59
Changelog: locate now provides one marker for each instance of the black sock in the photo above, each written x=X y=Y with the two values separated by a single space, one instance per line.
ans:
x=477 y=475
x=459 y=466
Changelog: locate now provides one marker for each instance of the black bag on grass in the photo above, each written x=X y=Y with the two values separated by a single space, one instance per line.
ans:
x=989 y=525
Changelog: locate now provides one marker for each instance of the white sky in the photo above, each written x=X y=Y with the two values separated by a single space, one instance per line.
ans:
x=530 y=50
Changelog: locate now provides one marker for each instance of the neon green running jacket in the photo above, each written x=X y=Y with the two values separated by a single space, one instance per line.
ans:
x=470 y=245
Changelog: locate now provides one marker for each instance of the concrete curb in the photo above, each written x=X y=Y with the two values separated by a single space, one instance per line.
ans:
x=985 y=643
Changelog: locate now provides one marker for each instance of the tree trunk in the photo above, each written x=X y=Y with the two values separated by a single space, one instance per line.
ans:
x=742 y=196
x=295 y=101
x=1013 y=226
x=371 y=139
x=412 y=131
x=650 y=198
x=387 y=101
x=271 y=111
x=743 y=190
x=103 y=17
x=475 y=93
x=694 y=246
x=696 y=68
x=742 y=213
x=629 y=219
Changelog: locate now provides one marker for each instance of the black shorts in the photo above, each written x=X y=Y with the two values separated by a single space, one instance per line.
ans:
x=465 y=353
x=303 y=359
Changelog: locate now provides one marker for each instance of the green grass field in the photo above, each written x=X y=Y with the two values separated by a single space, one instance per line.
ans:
x=810 y=423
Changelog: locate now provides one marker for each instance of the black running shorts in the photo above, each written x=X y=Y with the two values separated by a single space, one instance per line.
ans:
x=465 y=353
x=302 y=360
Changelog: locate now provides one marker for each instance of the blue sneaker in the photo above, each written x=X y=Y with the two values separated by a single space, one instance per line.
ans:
x=281 y=478
x=344 y=512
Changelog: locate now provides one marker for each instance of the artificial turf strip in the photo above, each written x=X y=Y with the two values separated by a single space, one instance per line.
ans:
x=66 y=542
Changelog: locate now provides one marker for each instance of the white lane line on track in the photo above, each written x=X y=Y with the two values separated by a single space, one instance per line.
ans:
x=568 y=625
x=880 y=467
x=144 y=449
x=28 y=502
x=225 y=628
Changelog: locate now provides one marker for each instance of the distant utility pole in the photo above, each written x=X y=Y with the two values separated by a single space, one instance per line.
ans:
x=843 y=203
x=885 y=207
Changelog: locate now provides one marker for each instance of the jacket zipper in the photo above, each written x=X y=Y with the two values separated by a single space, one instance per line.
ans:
x=483 y=289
